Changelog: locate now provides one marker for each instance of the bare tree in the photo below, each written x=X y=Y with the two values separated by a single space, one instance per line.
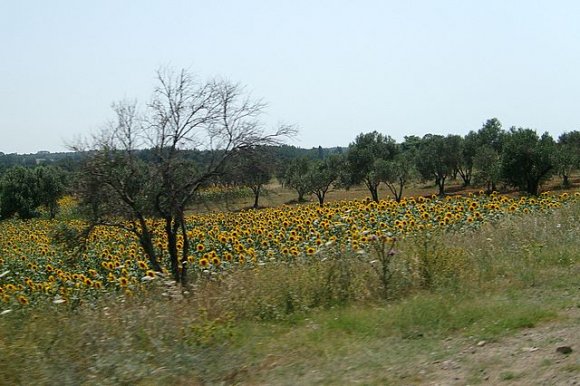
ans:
x=215 y=119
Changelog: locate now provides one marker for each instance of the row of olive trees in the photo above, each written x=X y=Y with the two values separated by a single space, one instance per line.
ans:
x=487 y=157
x=24 y=190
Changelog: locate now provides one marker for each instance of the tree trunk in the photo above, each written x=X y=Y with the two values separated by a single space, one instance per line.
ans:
x=374 y=189
x=566 y=181
x=256 y=190
x=301 y=196
x=466 y=180
x=185 y=251
x=146 y=242
x=399 y=194
x=320 y=195
x=171 y=233
x=532 y=187
x=53 y=209
x=441 y=184
x=397 y=190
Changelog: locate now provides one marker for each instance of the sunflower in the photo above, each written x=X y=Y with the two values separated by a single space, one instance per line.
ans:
x=123 y=281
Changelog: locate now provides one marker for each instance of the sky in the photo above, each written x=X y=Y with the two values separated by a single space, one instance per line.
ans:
x=334 y=69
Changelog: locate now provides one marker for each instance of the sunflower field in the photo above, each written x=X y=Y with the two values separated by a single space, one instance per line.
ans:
x=34 y=268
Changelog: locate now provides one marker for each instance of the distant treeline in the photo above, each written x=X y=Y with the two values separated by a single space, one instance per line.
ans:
x=71 y=160
x=485 y=158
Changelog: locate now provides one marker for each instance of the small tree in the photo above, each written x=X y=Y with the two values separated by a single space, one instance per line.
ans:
x=365 y=156
x=568 y=155
x=438 y=157
x=491 y=134
x=488 y=142
x=397 y=173
x=297 y=177
x=527 y=159
x=252 y=168
x=19 y=193
x=51 y=187
x=487 y=163
x=468 y=152
x=323 y=174
x=184 y=117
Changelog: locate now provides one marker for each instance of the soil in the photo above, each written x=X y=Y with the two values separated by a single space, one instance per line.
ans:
x=533 y=356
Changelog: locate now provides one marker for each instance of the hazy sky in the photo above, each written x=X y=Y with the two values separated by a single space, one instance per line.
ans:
x=334 y=68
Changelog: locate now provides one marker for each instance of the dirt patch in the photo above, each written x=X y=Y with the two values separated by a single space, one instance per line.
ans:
x=530 y=357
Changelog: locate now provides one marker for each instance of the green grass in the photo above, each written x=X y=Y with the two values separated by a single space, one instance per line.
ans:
x=522 y=273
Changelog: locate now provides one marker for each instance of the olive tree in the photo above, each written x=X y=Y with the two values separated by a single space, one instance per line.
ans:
x=18 y=193
x=437 y=157
x=323 y=174
x=487 y=163
x=24 y=190
x=253 y=168
x=52 y=184
x=397 y=173
x=365 y=158
x=297 y=177
x=488 y=142
x=568 y=155
x=468 y=153
x=527 y=159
